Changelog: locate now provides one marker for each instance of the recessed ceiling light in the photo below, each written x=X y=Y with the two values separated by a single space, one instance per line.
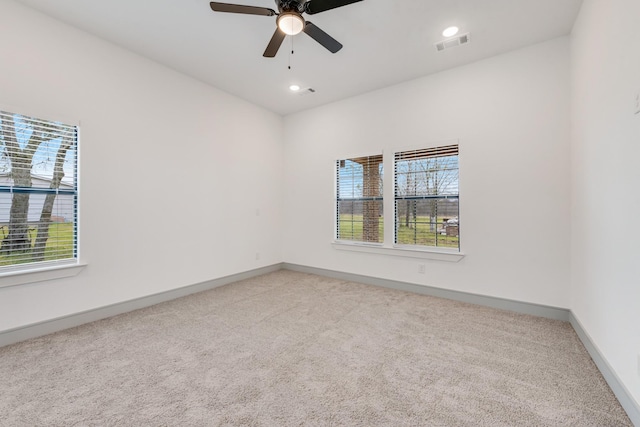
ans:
x=450 y=32
x=294 y=88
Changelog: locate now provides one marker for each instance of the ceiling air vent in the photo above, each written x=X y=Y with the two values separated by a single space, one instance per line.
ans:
x=307 y=91
x=452 y=42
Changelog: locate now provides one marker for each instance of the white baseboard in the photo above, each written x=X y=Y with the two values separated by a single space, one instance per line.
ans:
x=622 y=393
x=539 y=310
x=11 y=336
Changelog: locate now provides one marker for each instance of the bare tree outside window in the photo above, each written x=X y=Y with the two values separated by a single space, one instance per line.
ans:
x=38 y=190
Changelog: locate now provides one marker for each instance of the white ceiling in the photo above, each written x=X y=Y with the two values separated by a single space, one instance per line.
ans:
x=385 y=41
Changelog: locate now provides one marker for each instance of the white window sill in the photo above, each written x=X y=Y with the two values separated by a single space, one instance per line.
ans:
x=40 y=274
x=402 y=251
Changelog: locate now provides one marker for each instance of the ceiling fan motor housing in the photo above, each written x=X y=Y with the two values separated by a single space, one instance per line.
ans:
x=290 y=5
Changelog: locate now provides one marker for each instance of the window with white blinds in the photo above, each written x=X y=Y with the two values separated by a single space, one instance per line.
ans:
x=426 y=197
x=359 y=210
x=38 y=192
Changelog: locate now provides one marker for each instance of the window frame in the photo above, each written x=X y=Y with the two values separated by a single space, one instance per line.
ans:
x=388 y=247
x=440 y=150
x=363 y=198
x=33 y=272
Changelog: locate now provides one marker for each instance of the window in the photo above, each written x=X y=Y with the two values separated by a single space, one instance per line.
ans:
x=359 y=211
x=426 y=197
x=38 y=192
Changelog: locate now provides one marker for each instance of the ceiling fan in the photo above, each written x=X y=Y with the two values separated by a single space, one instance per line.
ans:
x=290 y=21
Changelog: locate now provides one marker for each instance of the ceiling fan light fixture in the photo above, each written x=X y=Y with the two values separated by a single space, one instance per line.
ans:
x=290 y=23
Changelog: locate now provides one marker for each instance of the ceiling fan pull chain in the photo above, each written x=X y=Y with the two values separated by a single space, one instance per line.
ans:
x=291 y=54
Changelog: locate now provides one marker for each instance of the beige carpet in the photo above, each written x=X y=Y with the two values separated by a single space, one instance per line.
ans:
x=291 y=349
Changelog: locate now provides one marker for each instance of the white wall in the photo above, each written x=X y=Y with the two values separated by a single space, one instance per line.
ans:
x=172 y=170
x=511 y=116
x=605 y=292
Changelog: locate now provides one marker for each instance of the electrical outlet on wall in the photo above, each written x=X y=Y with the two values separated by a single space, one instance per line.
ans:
x=421 y=268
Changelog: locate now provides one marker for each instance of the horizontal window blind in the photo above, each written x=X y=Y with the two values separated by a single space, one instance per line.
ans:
x=38 y=191
x=428 y=153
x=426 y=197
x=359 y=208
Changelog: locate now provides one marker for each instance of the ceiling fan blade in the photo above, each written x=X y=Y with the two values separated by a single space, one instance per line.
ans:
x=238 y=8
x=274 y=44
x=317 y=6
x=321 y=37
